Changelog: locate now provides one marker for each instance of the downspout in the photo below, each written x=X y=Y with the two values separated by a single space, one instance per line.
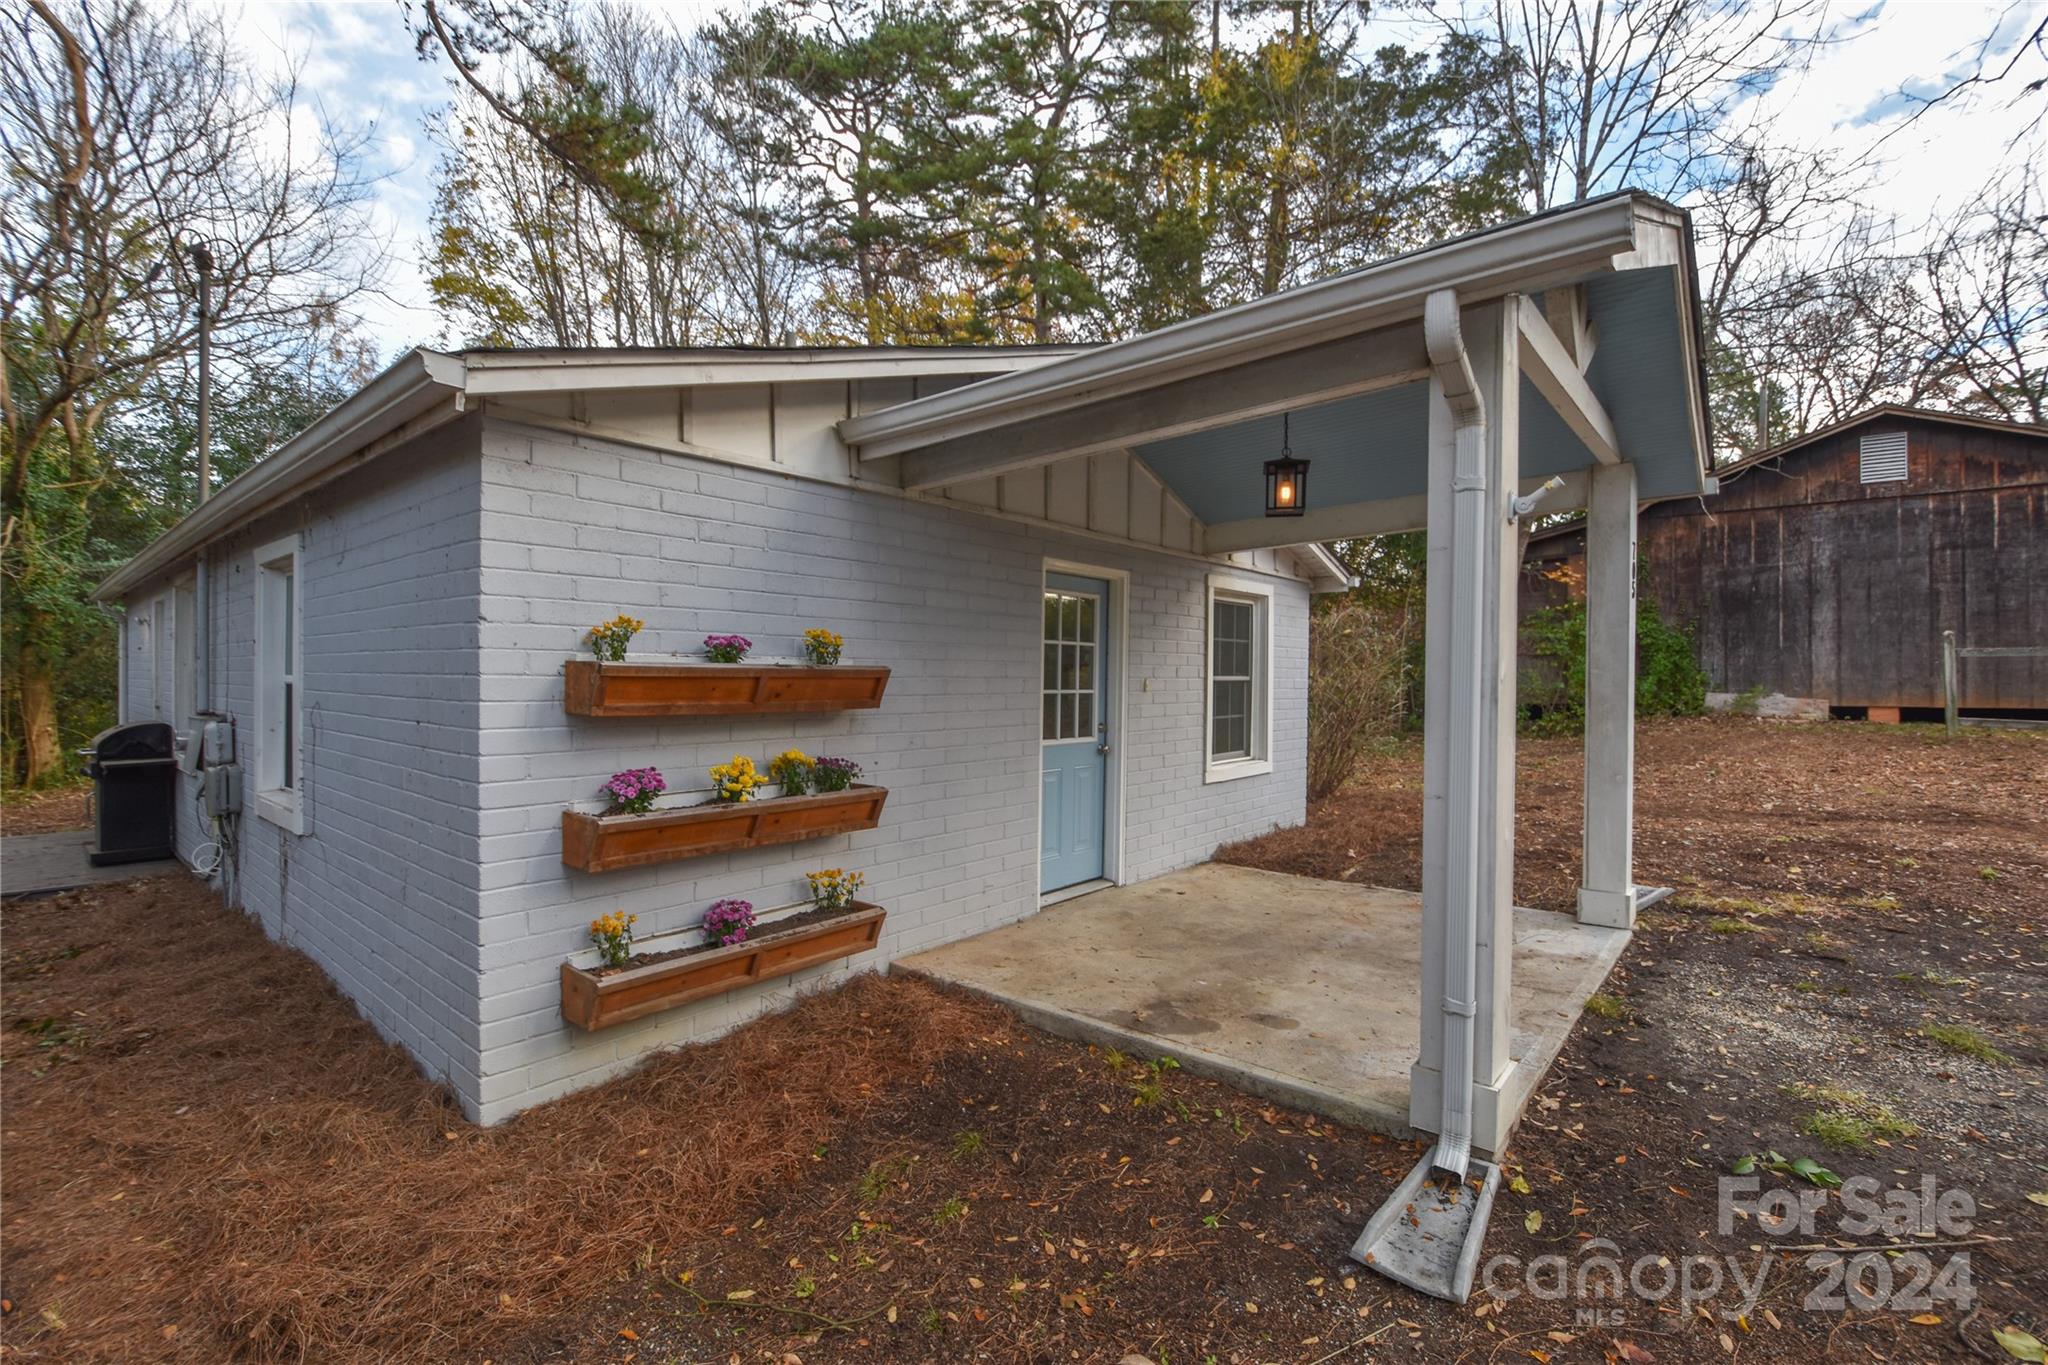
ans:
x=202 y=627
x=1470 y=523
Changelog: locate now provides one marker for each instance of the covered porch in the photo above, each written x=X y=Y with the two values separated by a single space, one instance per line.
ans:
x=1551 y=363
x=1297 y=990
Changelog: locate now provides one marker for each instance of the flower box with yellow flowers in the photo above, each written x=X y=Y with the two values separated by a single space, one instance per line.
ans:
x=735 y=818
x=675 y=969
x=609 y=685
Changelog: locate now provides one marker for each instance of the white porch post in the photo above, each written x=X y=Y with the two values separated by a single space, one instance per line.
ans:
x=1607 y=893
x=1468 y=730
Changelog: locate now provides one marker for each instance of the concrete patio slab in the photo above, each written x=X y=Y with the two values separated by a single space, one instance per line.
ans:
x=1302 y=991
x=38 y=864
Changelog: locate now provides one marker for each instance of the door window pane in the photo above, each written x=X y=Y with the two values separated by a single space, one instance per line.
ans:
x=1070 y=671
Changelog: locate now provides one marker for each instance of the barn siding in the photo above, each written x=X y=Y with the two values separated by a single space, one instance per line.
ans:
x=1799 y=578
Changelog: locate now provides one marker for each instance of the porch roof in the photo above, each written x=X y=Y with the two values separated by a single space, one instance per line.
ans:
x=1609 y=314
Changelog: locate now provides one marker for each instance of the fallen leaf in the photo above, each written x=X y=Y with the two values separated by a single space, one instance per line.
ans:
x=973 y=1283
x=1925 y=1319
x=629 y=1334
x=1207 y=1196
x=1520 y=1185
x=739 y=1296
x=1250 y=1307
x=892 y=1312
x=1534 y=1222
x=2016 y=1342
x=2039 y=1197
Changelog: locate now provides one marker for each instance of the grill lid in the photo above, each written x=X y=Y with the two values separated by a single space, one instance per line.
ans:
x=125 y=743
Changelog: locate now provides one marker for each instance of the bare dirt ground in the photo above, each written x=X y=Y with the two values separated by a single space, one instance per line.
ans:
x=45 y=812
x=891 y=1174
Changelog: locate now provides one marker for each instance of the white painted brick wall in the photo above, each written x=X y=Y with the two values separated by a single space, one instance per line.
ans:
x=381 y=890
x=442 y=595
x=577 y=529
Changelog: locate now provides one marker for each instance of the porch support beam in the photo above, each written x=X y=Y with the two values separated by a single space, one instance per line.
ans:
x=1607 y=894
x=1322 y=373
x=1554 y=370
x=1565 y=309
x=1356 y=520
x=1464 y=1067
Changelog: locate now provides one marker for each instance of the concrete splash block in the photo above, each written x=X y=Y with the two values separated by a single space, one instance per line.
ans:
x=1429 y=1233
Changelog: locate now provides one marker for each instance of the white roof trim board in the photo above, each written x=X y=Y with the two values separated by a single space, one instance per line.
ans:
x=1527 y=255
x=427 y=386
x=422 y=380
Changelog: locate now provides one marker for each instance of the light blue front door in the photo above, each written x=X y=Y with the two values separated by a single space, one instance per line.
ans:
x=1074 y=729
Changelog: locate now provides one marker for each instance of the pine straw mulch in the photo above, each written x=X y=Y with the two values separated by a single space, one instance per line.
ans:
x=56 y=811
x=210 y=1156
x=1838 y=808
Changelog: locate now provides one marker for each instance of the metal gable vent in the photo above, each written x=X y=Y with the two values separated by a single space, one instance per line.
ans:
x=1884 y=457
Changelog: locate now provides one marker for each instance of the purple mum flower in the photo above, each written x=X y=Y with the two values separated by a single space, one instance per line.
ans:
x=727 y=922
x=834 y=774
x=633 y=791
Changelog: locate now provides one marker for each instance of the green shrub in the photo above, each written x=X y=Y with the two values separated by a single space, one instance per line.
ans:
x=1669 y=679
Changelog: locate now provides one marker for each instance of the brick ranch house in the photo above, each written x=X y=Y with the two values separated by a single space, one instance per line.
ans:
x=1825 y=569
x=1096 y=635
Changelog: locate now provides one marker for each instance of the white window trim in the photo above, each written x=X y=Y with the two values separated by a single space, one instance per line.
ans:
x=283 y=807
x=1237 y=587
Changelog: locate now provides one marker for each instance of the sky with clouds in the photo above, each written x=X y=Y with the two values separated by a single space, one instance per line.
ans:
x=355 y=63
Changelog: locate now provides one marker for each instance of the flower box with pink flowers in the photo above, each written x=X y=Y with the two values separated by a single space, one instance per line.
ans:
x=634 y=832
x=725 y=685
x=728 y=950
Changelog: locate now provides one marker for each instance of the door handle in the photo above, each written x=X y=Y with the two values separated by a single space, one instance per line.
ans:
x=1102 y=738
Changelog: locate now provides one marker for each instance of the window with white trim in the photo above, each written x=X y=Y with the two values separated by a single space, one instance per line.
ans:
x=1237 y=713
x=280 y=703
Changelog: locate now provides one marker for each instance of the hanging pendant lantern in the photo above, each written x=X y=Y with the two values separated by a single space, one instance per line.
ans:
x=1286 y=478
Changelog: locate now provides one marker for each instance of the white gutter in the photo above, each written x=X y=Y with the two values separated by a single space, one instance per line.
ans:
x=415 y=382
x=1445 y=343
x=1553 y=248
x=508 y=372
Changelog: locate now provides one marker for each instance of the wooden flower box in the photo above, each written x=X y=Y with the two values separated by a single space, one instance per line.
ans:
x=593 y=998
x=591 y=688
x=605 y=843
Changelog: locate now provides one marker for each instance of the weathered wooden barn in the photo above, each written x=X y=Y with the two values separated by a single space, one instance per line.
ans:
x=1826 y=568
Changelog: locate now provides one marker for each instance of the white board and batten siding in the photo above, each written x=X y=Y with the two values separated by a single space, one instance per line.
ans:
x=793 y=427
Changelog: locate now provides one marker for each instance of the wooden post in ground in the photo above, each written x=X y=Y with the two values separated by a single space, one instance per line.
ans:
x=1948 y=683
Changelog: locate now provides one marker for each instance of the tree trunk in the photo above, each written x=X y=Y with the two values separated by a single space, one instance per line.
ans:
x=41 y=759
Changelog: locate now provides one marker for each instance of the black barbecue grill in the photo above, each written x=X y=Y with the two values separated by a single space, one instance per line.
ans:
x=134 y=771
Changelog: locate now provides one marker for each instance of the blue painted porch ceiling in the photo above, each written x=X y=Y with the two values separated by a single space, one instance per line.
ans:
x=1374 y=446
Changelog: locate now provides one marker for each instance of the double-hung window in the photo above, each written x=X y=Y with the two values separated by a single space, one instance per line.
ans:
x=279 y=767
x=1237 y=736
